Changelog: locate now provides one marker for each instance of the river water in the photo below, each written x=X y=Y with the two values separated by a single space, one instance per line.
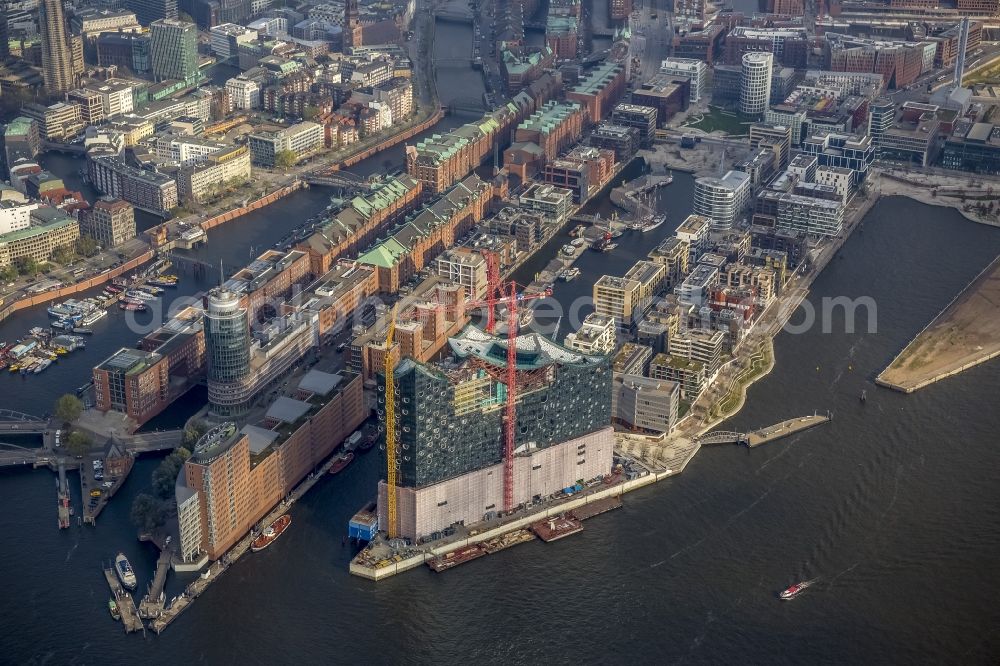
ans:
x=893 y=506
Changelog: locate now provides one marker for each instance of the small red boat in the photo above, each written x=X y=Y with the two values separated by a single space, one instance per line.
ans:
x=272 y=532
x=341 y=462
x=795 y=590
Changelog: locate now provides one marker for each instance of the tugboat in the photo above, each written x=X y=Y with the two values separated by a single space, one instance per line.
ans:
x=113 y=609
x=125 y=573
x=342 y=461
x=272 y=532
x=795 y=590
x=603 y=243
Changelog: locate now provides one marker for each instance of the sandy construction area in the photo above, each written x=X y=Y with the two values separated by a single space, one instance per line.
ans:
x=965 y=333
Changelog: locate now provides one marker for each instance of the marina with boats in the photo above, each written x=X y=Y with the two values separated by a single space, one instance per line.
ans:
x=73 y=318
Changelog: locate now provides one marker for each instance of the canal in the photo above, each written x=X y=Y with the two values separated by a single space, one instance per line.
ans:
x=234 y=244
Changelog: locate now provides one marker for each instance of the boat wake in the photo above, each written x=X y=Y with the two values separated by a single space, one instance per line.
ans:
x=72 y=550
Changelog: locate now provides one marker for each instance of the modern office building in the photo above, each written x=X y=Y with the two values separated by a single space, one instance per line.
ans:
x=595 y=336
x=464 y=266
x=673 y=253
x=57 y=58
x=644 y=404
x=49 y=229
x=854 y=152
x=755 y=83
x=724 y=200
x=241 y=363
x=110 y=222
x=21 y=139
x=973 y=147
x=299 y=140
x=881 y=116
x=227 y=341
x=665 y=94
x=15 y=211
x=695 y=71
x=173 y=50
x=147 y=190
x=450 y=429
x=214 y=174
x=133 y=382
x=688 y=374
x=643 y=118
x=694 y=230
x=809 y=215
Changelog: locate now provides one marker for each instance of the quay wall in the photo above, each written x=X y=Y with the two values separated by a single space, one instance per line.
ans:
x=939 y=377
x=434 y=119
x=266 y=200
x=69 y=290
x=615 y=490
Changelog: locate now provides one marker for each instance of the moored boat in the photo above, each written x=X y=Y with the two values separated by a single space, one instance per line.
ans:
x=133 y=307
x=270 y=533
x=125 y=572
x=341 y=462
x=113 y=609
x=653 y=223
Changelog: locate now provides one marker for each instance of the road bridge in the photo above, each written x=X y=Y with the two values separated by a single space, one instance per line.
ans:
x=18 y=422
x=723 y=437
x=453 y=17
x=464 y=106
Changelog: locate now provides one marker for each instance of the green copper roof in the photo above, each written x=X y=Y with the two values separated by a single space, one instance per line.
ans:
x=383 y=255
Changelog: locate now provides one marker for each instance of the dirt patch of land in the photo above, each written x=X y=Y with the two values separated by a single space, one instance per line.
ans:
x=967 y=332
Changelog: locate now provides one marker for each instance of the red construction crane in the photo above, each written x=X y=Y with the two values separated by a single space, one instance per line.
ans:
x=492 y=287
x=508 y=375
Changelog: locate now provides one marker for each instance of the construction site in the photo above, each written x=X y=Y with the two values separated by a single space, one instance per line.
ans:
x=504 y=424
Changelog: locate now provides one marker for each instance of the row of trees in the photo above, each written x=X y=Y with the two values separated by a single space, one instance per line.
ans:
x=152 y=510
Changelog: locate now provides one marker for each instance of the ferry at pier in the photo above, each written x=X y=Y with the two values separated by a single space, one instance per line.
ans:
x=272 y=532
x=795 y=590
x=124 y=570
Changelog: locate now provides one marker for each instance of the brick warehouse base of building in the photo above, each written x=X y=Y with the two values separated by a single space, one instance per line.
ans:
x=469 y=497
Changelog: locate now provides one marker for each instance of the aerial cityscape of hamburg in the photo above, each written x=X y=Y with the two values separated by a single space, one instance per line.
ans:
x=500 y=331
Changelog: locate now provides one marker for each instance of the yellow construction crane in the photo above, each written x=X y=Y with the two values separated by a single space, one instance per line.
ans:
x=390 y=430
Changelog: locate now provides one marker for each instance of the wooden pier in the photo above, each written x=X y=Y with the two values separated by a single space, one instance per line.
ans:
x=152 y=604
x=126 y=604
